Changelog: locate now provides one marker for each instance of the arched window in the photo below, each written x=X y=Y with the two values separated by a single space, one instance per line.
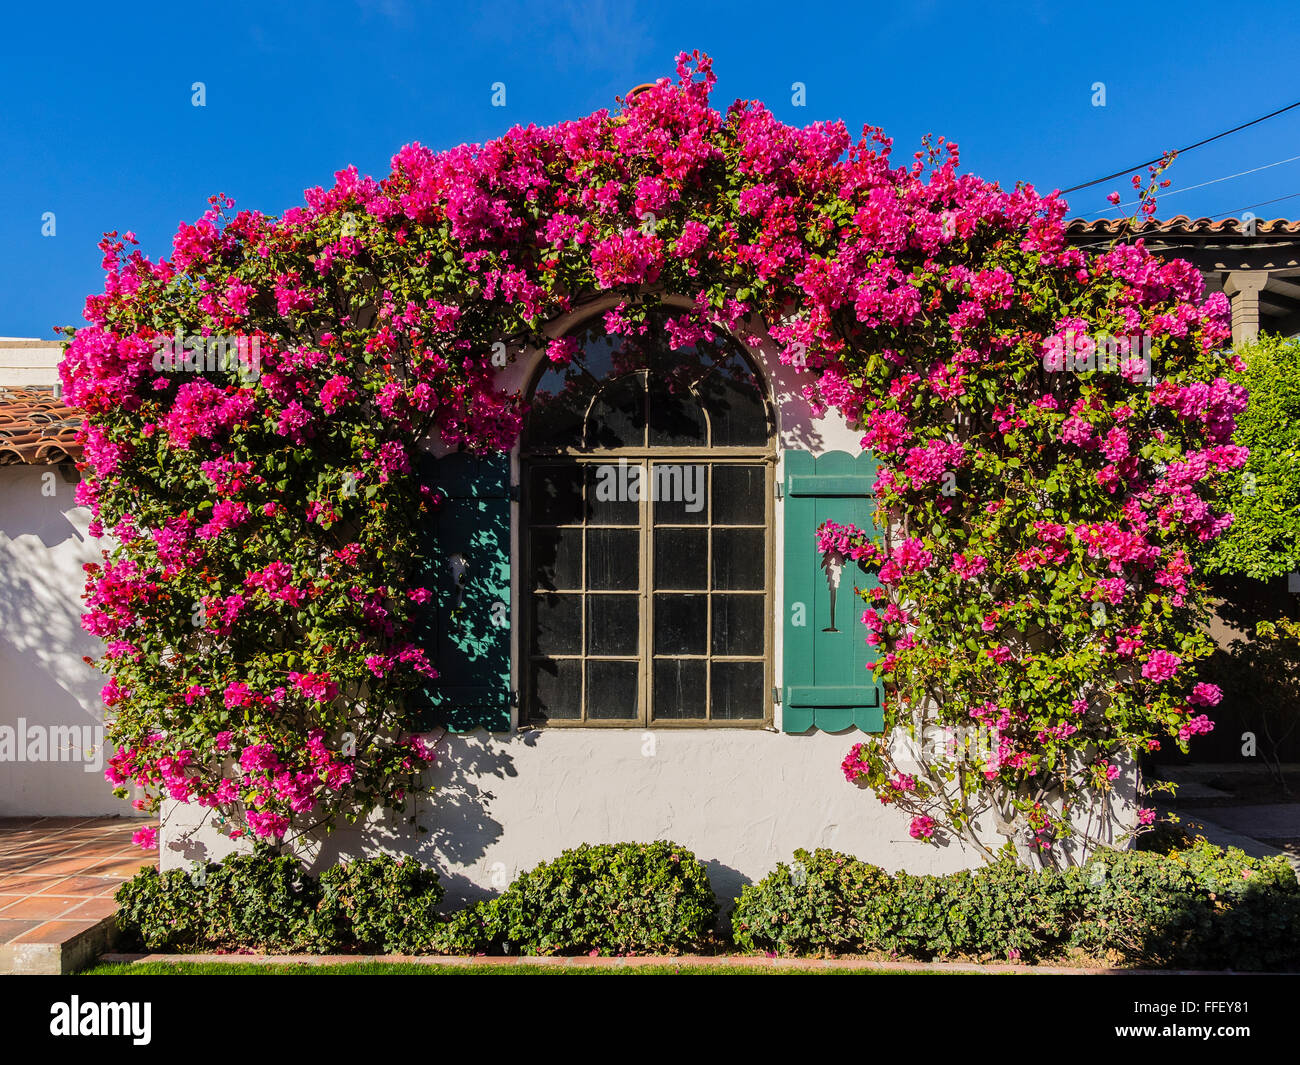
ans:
x=647 y=503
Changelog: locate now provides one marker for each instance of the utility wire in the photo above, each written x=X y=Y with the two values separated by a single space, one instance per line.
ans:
x=1214 y=181
x=1181 y=151
x=1189 y=247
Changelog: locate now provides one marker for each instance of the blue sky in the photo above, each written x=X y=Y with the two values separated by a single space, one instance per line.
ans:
x=97 y=126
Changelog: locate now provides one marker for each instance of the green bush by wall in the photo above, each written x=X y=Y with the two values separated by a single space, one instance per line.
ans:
x=1195 y=906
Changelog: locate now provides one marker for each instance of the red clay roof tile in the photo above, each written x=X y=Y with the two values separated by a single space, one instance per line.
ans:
x=36 y=427
x=1180 y=225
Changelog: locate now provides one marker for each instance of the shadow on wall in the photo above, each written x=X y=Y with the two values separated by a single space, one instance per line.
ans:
x=459 y=829
x=796 y=426
x=43 y=678
x=454 y=829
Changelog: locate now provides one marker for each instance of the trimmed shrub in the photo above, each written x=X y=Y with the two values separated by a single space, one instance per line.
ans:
x=1197 y=907
x=160 y=910
x=1138 y=907
x=823 y=902
x=382 y=904
x=270 y=903
x=1003 y=910
x=246 y=900
x=1257 y=907
x=832 y=903
x=1229 y=872
x=622 y=898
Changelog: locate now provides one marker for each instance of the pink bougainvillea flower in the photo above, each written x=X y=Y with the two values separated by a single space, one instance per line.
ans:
x=921 y=827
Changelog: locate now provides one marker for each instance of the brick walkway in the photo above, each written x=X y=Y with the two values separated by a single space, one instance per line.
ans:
x=57 y=878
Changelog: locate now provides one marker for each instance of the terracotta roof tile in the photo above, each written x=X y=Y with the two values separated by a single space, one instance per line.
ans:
x=1180 y=225
x=36 y=427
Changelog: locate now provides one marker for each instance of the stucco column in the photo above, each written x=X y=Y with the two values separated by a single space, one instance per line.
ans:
x=1243 y=288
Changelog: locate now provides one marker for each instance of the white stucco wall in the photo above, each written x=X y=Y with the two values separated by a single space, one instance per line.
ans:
x=46 y=689
x=44 y=683
x=24 y=363
x=741 y=800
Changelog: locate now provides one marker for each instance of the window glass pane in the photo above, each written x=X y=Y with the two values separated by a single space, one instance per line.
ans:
x=557 y=558
x=737 y=414
x=614 y=559
x=588 y=518
x=681 y=493
x=613 y=624
x=738 y=691
x=556 y=687
x=679 y=688
x=558 y=406
x=738 y=624
x=555 y=495
x=617 y=418
x=681 y=558
x=739 y=495
x=614 y=490
x=676 y=418
x=681 y=624
x=557 y=624
x=613 y=691
x=738 y=558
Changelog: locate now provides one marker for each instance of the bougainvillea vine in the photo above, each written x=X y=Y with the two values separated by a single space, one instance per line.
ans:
x=260 y=483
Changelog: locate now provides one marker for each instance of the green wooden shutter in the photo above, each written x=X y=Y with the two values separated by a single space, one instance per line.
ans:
x=826 y=683
x=465 y=627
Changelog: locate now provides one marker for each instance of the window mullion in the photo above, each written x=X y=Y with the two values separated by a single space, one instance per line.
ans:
x=647 y=598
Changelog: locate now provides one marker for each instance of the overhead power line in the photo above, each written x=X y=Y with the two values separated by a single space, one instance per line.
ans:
x=1214 y=181
x=1182 y=151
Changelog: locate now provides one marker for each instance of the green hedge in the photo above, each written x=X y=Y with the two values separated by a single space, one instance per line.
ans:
x=375 y=904
x=383 y=905
x=622 y=898
x=1198 y=907
x=247 y=900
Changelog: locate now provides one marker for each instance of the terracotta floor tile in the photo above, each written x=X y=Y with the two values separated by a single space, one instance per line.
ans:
x=54 y=931
x=123 y=867
x=80 y=886
x=58 y=874
x=13 y=844
x=72 y=865
x=91 y=909
x=100 y=851
x=135 y=854
x=124 y=840
x=38 y=908
x=11 y=930
x=37 y=853
x=28 y=884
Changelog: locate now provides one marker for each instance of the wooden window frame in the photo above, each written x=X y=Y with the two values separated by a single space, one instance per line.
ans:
x=764 y=456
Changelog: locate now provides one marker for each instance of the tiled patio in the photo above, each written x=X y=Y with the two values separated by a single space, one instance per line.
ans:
x=57 y=878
